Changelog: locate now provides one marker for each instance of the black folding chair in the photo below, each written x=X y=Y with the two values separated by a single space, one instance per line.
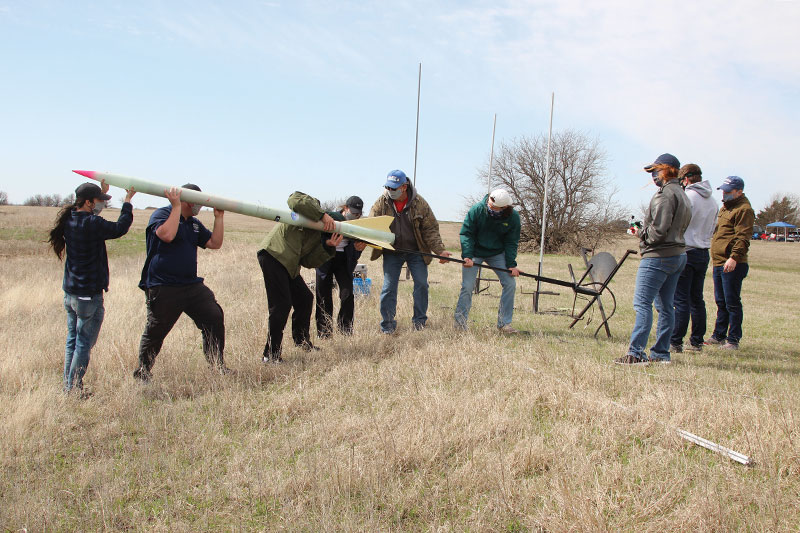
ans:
x=600 y=269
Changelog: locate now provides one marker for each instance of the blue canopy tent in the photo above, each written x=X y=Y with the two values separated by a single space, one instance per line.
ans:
x=784 y=225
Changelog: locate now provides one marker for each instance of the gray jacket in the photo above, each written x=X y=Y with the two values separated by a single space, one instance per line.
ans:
x=667 y=218
x=704 y=215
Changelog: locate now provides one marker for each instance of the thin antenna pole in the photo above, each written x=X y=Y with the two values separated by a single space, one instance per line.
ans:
x=544 y=201
x=491 y=158
x=416 y=138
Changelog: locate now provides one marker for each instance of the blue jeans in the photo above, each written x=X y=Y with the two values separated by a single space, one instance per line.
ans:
x=689 y=299
x=392 y=265
x=468 y=276
x=655 y=281
x=84 y=318
x=728 y=295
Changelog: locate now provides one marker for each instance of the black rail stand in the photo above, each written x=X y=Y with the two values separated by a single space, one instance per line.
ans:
x=538 y=292
x=577 y=286
x=478 y=289
x=600 y=269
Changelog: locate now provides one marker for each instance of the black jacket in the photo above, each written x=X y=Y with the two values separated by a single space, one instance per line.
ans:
x=86 y=266
x=351 y=254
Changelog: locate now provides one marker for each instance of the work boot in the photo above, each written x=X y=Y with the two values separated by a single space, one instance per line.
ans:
x=508 y=330
x=142 y=374
x=730 y=346
x=629 y=359
x=676 y=348
x=712 y=341
x=308 y=347
x=694 y=348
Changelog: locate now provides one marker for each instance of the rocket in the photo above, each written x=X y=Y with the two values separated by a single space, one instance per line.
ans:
x=373 y=230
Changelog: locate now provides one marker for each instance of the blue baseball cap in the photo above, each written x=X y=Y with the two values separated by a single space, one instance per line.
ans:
x=732 y=183
x=395 y=179
x=664 y=159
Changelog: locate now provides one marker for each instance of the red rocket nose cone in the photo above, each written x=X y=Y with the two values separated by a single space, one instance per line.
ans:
x=88 y=173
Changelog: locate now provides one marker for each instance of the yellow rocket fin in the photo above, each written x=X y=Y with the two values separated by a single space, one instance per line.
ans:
x=378 y=244
x=380 y=223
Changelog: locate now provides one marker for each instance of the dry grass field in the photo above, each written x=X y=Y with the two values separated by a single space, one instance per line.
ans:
x=424 y=431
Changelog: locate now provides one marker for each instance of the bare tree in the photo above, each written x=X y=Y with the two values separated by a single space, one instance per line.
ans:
x=3 y=198
x=44 y=200
x=581 y=211
x=333 y=205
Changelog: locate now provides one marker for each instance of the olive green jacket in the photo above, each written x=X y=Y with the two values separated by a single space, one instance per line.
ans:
x=295 y=246
x=732 y=234
x=426 y=227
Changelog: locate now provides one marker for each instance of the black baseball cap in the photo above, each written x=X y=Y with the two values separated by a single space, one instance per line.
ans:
x=90 y=191
x=355 y=205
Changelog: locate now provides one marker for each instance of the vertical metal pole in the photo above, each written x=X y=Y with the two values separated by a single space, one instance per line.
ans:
x=491 y=158
x=488 y=191
x=416 y=138
x=544 y=203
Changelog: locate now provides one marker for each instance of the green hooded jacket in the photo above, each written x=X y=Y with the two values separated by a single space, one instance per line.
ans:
x=484 y=236
x=295 y=246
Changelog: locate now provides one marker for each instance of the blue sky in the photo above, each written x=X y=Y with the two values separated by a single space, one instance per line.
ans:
x=256 y=99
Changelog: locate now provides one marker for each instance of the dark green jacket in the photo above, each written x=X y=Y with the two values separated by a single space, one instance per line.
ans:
x=295 y=246
x=732 y=234
x=484 y=236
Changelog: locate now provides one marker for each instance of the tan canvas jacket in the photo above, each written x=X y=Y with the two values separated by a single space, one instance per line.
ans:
x=426 y=227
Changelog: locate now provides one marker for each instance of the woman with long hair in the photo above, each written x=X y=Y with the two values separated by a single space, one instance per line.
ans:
x=663 y=253
x=80 y=232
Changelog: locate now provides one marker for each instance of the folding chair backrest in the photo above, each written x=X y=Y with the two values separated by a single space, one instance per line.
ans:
x=603 y=264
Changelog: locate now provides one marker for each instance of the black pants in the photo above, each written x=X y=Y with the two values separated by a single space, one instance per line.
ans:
x=689 y=299
x=165 y=305
x=283 y=294
x=344 y=279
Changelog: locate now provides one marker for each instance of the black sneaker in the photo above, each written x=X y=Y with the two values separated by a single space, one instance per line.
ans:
x=676 y=348
x=308 y=347
x=693 y=348
x=142 y=374
x=631 y=360
x=85 y=394
x=272 y=360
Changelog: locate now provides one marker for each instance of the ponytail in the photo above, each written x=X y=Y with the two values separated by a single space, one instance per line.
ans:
x=56 y=239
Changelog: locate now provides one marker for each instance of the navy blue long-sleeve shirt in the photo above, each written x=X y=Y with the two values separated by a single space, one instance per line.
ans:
x=86 y=265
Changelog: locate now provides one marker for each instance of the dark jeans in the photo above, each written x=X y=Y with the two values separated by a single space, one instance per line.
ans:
x=344 y=279
x=727 y=294
x=165 y=304
x=283 y=294
x=689 y=299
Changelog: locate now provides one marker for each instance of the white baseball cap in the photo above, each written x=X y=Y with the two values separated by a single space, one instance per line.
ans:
x=500 y=198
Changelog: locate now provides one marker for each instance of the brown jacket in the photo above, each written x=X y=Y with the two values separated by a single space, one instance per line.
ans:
x=732 y=234
x=426 y=227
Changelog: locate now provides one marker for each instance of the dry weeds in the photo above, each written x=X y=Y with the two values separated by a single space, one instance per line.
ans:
x=431 y=430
